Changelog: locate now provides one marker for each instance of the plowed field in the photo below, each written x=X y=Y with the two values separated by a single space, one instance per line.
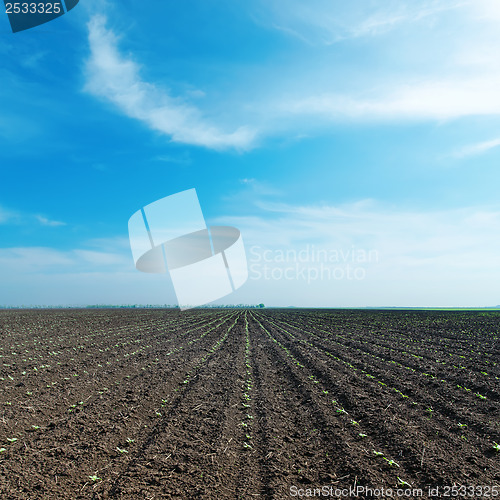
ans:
x=208 y=403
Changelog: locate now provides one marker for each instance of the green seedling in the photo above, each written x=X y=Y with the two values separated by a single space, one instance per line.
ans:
x=11 y=440
x=378 y=453
x=391 y=462
x=94 y=478
x=362 y=435
x=121 y=450
x=496 y=447
x=36 y=427
x=402 y=483
x=130 y=440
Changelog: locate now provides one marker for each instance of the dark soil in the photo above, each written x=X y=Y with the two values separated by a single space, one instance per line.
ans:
x=228 y=404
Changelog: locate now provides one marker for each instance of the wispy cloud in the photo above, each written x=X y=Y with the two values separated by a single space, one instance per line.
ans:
x=33 y=259
x=251 y=190
x=430 y=77
x=436 y=88
x=6 y=215
x=27 y=260
x=50 y=276
x=476 y=149
x=327 y=22
x=180 y=159
x=435 y=241
x=94 y=255
x=16 y=217
x=396 y=13
x=44 y=221
x=116 y=78
x=434 y=99
x=422 y=257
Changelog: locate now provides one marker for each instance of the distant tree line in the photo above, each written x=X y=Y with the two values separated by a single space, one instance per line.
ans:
x=135 y=306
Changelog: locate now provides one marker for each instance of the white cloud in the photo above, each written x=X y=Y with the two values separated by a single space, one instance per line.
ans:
x=116 y=78
x=392 y=14
x=487 y=9
x=81 y=276
x=476 y=149
x=16 y=217
x=436 y=257
x=180 y=159
x=416 y=75
x=331 y=21
x=47 y=222
x=424 y=258
x=430 y=77
x=6 y=215
x=28 y=260
x=433 y=99
x=96 y=258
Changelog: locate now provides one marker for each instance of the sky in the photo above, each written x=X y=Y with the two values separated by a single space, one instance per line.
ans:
x=355 y=145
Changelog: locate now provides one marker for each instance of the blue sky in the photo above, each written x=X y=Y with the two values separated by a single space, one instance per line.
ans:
x=319 y=125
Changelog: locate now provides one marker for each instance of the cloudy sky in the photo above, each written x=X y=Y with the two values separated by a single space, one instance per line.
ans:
x=356 y=145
